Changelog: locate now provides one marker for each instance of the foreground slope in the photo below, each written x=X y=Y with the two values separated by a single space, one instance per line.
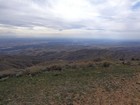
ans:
x=116 y=85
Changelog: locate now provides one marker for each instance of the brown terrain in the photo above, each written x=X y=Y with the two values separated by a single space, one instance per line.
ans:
x=69 y=73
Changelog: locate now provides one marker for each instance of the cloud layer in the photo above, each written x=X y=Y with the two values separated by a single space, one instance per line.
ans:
x=115 y=19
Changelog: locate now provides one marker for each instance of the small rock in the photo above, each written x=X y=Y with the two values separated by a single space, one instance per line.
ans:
x=138 y=82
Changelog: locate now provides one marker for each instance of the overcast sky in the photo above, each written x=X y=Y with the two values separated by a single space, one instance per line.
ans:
x=110 y=19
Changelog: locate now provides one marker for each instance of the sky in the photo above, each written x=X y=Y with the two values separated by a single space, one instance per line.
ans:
x=98 y=19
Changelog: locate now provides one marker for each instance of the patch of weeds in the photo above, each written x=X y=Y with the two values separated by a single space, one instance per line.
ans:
x=110 y=87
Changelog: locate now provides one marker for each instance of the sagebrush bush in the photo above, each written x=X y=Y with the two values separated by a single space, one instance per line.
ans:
x=126 y=63
x=106 y=64
x=54 y=68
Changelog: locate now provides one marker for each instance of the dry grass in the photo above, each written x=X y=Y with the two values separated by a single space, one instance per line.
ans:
x=114 y=85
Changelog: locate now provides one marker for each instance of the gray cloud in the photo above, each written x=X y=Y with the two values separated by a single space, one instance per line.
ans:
x=97 y=17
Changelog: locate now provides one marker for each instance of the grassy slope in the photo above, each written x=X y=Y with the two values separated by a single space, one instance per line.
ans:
x=117 y=85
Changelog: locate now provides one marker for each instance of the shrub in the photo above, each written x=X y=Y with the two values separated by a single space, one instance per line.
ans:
x=54 y=68
x=126 y=63
x=132 y=59
x=98 y=60
x=106 y=64
x=90 y=65
x=121 y=59
x=137 y=59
